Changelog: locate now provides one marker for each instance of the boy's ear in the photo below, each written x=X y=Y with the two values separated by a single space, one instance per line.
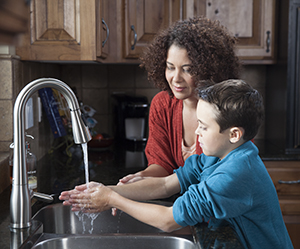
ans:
x=236 y=133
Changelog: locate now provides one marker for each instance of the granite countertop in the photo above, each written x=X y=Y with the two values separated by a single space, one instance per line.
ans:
x=58 y=172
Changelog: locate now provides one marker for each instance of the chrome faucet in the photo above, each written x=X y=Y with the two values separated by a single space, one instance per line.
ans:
x=20 y=201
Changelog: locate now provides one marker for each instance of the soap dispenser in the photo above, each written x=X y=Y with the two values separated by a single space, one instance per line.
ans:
x=30 y=164
x=31 y=168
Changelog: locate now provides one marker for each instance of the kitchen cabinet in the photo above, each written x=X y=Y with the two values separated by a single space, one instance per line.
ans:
x=101 y=30
x=117 y=31
x=251 y=21
x=142 y=21
x=286 y=178
x=65 y=31
x=13 y=20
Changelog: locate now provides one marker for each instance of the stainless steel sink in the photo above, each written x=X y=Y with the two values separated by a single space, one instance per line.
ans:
x=62 y=228
x=115 y=242
x=60 y=219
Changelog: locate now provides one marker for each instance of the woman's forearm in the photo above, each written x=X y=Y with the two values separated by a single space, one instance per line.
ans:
x=149 y=188
x=152 y=170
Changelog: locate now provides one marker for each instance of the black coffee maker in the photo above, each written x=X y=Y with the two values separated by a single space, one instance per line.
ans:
x=131 y=116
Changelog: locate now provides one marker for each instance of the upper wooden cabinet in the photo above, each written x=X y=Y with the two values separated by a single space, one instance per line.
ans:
x=143 y=19
x=116 y=31
x=64 y=30
x=252 y=21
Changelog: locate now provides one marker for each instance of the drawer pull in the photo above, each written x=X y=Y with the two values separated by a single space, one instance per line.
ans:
x=289 y=182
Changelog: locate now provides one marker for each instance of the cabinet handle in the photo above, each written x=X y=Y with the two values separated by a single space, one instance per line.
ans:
x=107 y=33
x=289 y=182
x=135 y=37
x=268 y=41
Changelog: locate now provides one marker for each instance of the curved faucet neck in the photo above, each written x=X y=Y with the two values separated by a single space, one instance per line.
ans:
x=20 y=198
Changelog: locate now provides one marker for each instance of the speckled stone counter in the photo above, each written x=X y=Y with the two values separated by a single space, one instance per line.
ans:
x=221 y=237
x=58 y=172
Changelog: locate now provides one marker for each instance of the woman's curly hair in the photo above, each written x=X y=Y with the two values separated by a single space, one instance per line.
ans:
x=210 y=49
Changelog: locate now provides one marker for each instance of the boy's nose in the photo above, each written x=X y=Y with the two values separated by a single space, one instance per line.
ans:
x=197 y=131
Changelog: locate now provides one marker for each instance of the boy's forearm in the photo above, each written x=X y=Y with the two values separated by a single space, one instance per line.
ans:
x=151 y=214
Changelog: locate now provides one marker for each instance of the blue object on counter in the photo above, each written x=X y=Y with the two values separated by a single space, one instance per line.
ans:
x=51 y=109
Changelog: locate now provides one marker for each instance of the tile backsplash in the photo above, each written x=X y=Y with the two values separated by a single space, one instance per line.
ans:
x=94 y=85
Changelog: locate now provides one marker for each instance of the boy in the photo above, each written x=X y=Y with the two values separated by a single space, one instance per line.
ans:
x=227 y=182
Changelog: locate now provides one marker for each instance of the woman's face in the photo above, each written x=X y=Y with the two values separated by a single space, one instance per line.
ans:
x=178 y=74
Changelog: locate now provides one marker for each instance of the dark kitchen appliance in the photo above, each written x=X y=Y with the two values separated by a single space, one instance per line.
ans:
x=131 y=116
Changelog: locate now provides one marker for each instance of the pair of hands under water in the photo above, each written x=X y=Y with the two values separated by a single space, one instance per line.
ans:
x=90 y=198
x=94 y=197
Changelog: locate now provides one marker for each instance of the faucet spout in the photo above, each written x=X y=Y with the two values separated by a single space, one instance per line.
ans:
x=20 y=201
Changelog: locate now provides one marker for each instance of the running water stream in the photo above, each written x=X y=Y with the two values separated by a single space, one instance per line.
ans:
x=86 y=163
x=80 y=214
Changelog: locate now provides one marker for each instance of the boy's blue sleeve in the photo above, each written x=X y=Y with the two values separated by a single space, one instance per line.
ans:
x=222 y=195
x=187 y=175
x=191 y=172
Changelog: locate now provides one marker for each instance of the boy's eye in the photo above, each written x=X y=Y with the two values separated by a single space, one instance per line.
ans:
x=203 y=128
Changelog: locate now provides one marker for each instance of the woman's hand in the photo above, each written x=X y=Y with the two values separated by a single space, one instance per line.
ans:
x=131 y=178
x=153 y=170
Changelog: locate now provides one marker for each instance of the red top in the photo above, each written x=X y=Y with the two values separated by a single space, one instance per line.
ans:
x=164 y=146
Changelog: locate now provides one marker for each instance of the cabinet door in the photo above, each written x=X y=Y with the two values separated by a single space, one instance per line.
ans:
x=252 y=21
x=143 y=18
x=60 y=30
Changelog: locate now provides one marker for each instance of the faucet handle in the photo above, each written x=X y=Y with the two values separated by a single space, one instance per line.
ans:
x=27 y=135
x=41 y=196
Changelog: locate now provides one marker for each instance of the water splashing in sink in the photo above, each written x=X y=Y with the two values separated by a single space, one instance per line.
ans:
x=84 y=218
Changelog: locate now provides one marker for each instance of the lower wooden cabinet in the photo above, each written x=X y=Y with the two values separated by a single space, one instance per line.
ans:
x=286 y=178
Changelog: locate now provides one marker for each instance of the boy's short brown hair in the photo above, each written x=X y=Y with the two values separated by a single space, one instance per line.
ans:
x=238 y=104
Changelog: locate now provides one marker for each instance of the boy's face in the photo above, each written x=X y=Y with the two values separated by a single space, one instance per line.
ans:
x=212 y=142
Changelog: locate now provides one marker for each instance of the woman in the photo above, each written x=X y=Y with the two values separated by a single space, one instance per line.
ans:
x=186 y=54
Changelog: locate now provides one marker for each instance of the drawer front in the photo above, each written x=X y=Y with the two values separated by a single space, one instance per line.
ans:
x=285 y=176
x=286 y=181
x=289 y=206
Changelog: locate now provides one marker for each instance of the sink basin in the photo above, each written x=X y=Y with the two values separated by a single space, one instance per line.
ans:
x=63 y=228
x=60 y=219
x=119 y=241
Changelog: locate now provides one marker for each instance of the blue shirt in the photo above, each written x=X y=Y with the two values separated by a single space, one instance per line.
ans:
x=237 y=189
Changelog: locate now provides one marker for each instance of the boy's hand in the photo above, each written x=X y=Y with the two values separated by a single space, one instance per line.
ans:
x=91 y=200
x=65 y=195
